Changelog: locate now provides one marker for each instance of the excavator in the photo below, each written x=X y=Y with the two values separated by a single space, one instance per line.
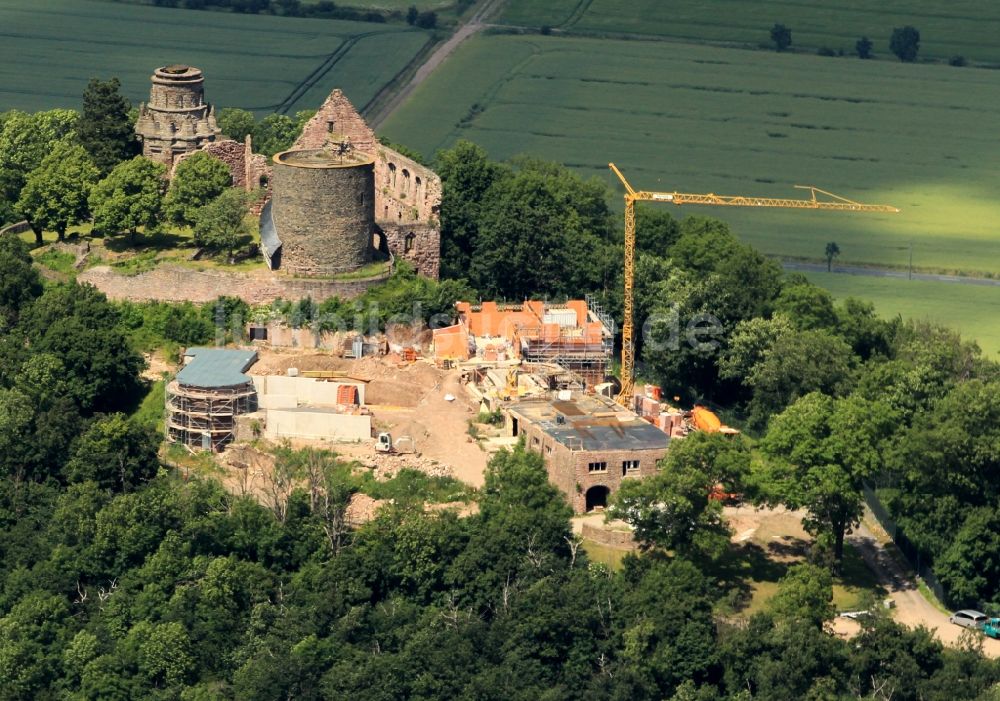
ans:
x=830 y=203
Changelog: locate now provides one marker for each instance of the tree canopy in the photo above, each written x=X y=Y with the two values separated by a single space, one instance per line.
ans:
x=221 y=225
x=820 y=452
x=56 y=193
x=130 y=197
x=198 y=180
x=905 y=43
x=105 y=128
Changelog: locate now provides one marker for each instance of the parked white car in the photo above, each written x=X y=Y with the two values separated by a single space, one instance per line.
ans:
x=967 y=618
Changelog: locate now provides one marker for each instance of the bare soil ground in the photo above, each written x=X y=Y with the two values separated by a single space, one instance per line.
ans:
x=405 y=400
x=156 y=366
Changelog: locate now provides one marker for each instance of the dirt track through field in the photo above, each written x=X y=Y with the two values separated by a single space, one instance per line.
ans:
x=475 y=24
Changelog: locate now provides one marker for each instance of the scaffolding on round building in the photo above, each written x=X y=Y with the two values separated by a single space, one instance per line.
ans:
x=208 y=394
x=205 y=419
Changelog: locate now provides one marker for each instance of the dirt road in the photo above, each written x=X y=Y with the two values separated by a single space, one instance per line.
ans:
x=797 y=266
x=911 y=608
x=473 y=26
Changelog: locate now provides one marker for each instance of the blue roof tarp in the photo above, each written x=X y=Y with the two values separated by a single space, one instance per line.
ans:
x=216 y=367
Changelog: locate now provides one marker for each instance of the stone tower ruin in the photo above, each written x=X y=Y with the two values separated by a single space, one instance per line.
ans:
x=323 y=210
x=176 y=120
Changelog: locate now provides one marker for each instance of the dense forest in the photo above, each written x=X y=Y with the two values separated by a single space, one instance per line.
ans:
x=123 y=579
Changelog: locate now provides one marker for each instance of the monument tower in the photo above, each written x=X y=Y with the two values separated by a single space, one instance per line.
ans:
x=177 y=119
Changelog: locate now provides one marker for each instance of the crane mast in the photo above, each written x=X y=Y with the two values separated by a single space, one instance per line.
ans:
x=834 y=203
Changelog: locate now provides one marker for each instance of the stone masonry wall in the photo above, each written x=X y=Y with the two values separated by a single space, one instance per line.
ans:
x=568 y=469
x=323 y=217
x=337 y=117
x=613 y=478
x=420 y=244
x=621 y=540
x=407 y=194
x=248 y=169
x=173 y=283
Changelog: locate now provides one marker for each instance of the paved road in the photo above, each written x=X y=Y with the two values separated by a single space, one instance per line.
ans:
x=887 y=272
x=475 y=24
x=911 y=608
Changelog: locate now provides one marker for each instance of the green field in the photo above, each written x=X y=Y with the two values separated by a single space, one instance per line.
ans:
x=971 y=309
x=708 y=119
x=969 y=28
x=48 y=51
x=393 y=5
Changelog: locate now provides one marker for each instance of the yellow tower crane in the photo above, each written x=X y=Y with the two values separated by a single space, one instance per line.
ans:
x=835 y=203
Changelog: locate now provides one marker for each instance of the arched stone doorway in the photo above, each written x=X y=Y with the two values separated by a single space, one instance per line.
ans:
x=597 y=497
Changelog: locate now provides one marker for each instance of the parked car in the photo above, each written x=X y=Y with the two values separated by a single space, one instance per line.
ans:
x=967 y=618
x=991 y=629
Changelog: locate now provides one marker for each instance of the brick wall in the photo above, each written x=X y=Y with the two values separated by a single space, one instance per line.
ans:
x=173 y=283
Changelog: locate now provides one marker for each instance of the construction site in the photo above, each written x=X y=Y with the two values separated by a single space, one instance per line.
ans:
x=540 y=366
x=442 y=401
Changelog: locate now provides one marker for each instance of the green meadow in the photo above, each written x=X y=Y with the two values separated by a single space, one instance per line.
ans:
x=697 y=118
x=972 y=310
x=969 y=28
x=49 y=50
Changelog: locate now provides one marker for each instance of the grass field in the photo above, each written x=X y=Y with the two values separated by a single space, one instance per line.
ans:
x=393 y=5
x=49 y=50
x=971 y=309
x=708 y=119
x=969 y=28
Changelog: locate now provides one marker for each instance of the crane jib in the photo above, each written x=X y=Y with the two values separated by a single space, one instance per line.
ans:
x=834 y=203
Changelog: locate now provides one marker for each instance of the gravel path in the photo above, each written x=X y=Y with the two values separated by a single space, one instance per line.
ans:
x=911 y=608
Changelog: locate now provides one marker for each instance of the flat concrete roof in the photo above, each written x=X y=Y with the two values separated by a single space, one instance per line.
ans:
x=216 y=367
x=589 y=423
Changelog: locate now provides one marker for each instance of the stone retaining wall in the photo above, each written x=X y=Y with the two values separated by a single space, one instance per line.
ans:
x=16 y=228
x=173 y=283
x=613 y=539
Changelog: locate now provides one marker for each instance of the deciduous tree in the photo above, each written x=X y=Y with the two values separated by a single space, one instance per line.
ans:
x=820 y=452
x=221 y=225
x=198 y=180
x=130 y=197
x=805 y=595
x=863 y=47
x=832 y=251
x=905 y=43
x=25 y=141
x=236 y=123
x=672 y=510
x=781 y=37
x=115 y=452
x=19 y=283
x=56 y=193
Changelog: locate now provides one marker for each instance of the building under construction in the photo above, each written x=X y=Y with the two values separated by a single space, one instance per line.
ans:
x=208 y=394
x=575 y=336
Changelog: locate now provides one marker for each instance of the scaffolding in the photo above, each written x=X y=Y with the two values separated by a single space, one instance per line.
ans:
x=205 y=418
x=582 y=351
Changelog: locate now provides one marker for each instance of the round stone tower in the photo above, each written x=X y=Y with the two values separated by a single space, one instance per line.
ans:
x=323 y=210
x=177 y=119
